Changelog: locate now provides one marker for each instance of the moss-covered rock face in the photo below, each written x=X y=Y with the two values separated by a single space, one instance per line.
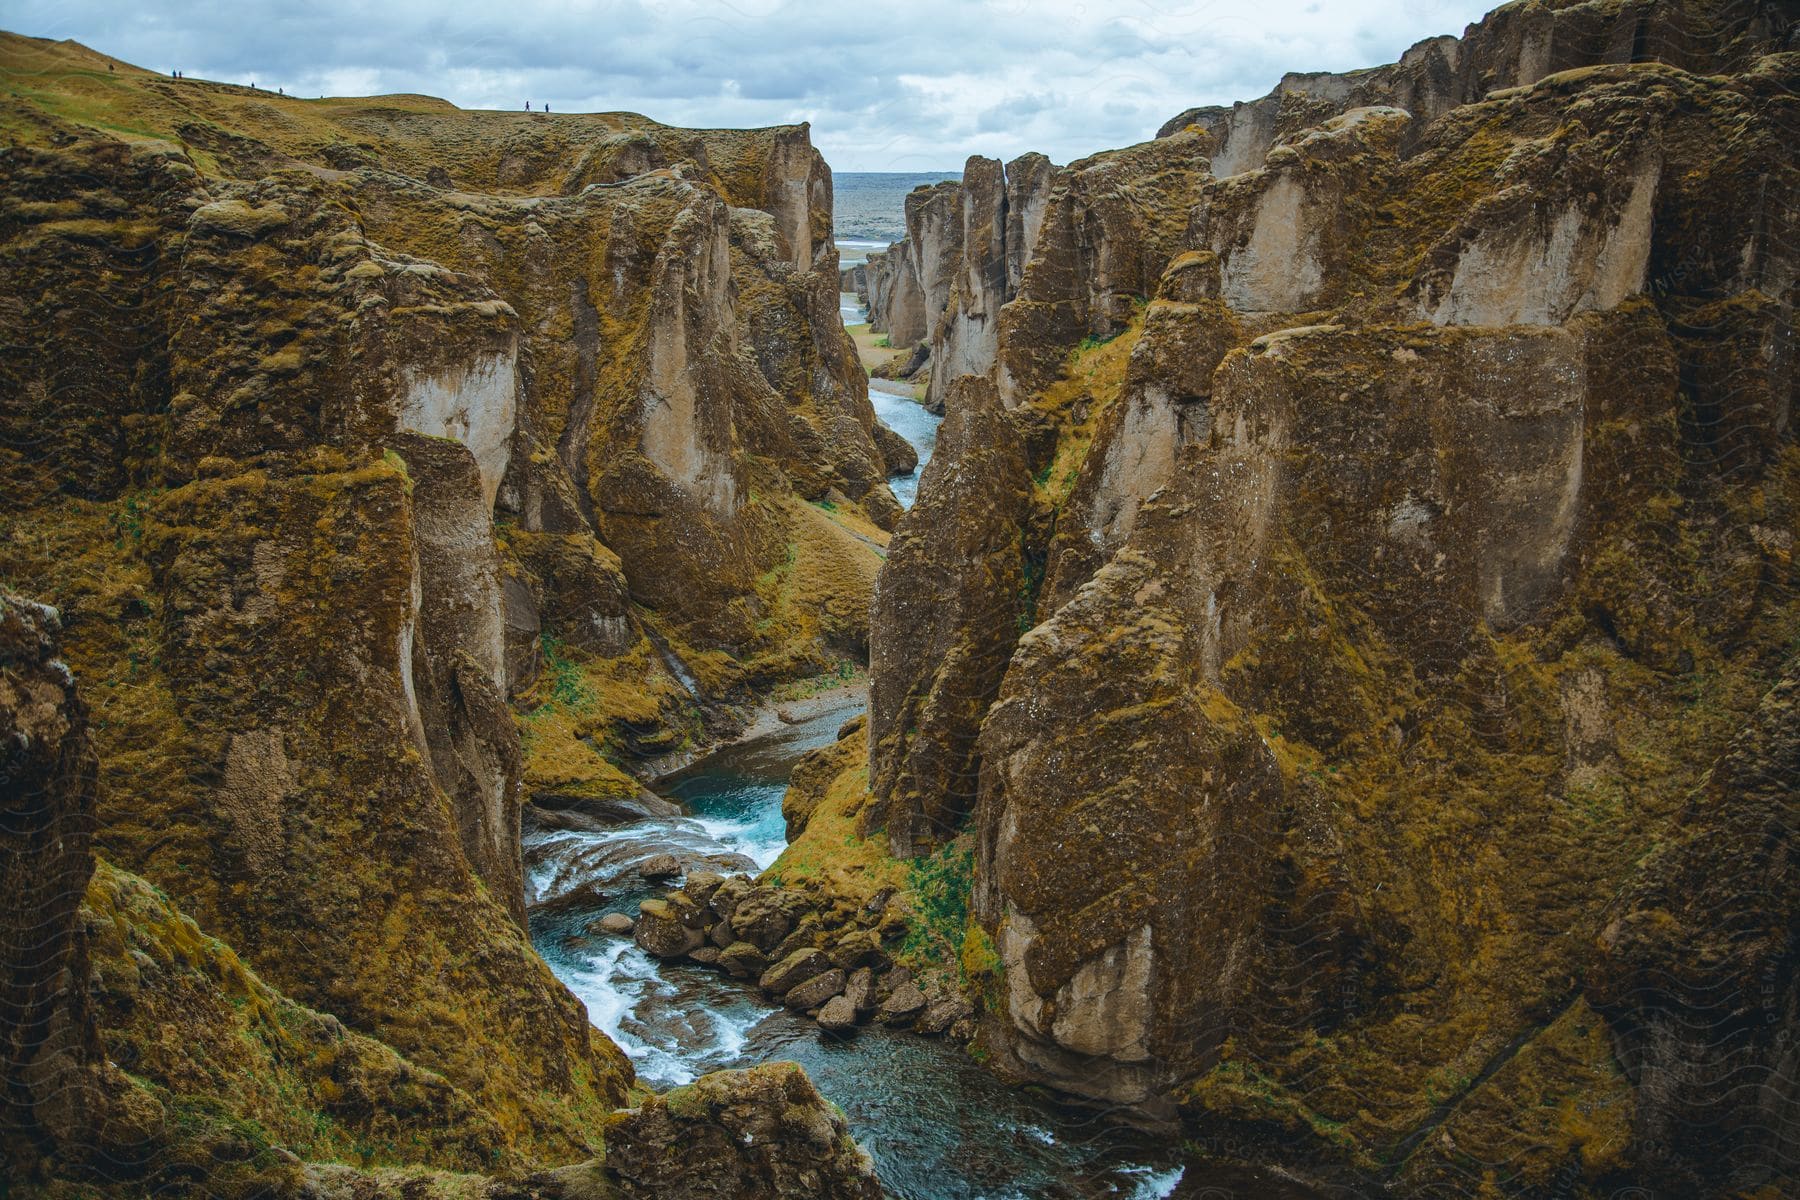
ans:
x=1697 y=970
x=369 y=772
x=392 y=464
x=910 y=285
x=937 y=664
x=1514 y=46
x=145 y=1057
x=937 y=293
x=765 y=1131
x=1373 y=775
x=182 y=1012
x=647 y=351
x=52 y=1060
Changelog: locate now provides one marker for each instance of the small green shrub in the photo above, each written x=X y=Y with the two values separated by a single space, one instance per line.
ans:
x=941 y=885
x=564 y=688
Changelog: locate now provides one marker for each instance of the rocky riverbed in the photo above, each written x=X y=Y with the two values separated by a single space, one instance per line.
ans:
x=938 y=1125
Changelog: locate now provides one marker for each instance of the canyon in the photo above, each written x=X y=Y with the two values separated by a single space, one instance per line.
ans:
x=1332 y=704
x=1315 y=510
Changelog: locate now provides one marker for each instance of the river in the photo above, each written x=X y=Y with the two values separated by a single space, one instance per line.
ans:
x=895 y=403
x=938 y=1126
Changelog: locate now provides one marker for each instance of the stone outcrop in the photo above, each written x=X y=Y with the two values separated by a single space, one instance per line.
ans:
x=1355 y=649
x=1164 y=408
x=1697 y=968
x=910 y=283
x=141 y=1053
x=49 y=1049
x=820 y=953
x=765 y=1132
x=1029 y=179
x=1111 y=224
x=835 y=927
x=965 y=327
x=1514 y=46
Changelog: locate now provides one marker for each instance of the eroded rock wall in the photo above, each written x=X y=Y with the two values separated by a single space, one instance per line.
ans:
x=1111 y=224
x=910 y=283
x=52 y=1058
x=405 y=432
x=939 y=291
x=1401 y=603
x=936 y=665
x=142 y=1055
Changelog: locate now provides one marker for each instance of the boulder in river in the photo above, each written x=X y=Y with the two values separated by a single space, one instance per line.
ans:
x=661 y=932
x=838 y=1015
x=615 y=923
x=859 y=990
x=793 y=971
x=660 y=866
x=762 y=918
x=682 y=906
x=944 y=1013
x=804 y=935
x=725 y=897
x=815 y=991
x=859 y=948
x=889 y=982
x=904 y=1005
x=743 y=960
x=700 y=886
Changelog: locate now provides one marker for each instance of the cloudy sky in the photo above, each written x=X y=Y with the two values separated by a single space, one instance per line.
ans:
x=891 y=87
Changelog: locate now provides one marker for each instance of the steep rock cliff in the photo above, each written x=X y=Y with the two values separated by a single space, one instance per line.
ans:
x=936 y=665
x=910 y=283
x=1397 y=615
x=971 y=239
x=53 y=1062
x=353 y=441
x=143 y=1056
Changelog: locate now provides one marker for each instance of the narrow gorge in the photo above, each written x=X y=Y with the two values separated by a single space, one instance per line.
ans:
x=538 y=661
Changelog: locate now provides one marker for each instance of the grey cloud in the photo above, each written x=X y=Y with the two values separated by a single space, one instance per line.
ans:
x=921 y=87
x=1009 y=115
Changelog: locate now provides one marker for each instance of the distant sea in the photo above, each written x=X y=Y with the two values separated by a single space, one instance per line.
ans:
x=868 y=213
x=870 y=206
